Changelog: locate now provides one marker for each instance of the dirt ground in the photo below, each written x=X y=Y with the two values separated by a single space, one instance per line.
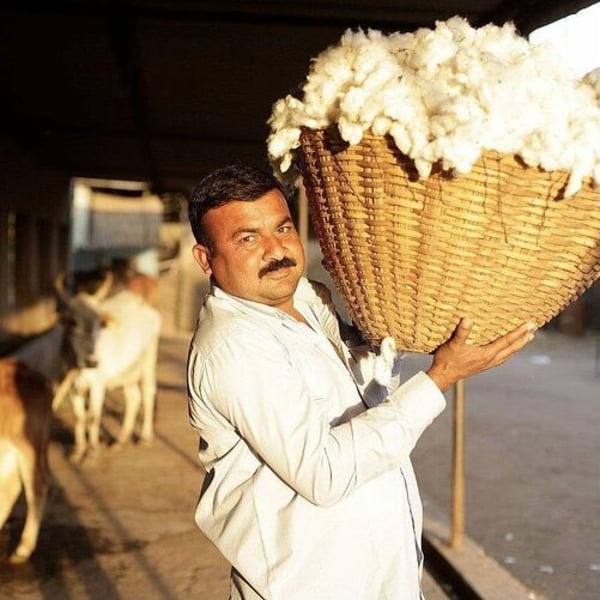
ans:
x=123 y=529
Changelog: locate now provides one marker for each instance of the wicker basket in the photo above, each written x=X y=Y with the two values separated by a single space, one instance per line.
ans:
x=411 y=256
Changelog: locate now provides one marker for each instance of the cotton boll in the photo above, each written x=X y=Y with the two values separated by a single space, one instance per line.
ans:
x=504 y=144
x=427 y=56
x=553 y=156
x=461 y=155
x=423 y=167
x=467 y=110
x=387 y=72
x=317 y=115
x=593 y=80
x=333 y=64
x=530 y=155
x=282 y=109
x=361 y=104
x=370 y=110
x=486 y=94
x=330 y=90
x=495 y=40
x=441 y=125
x=281 y=142
x=574 y=184
x=436 y=51
x=463 y=62
x=323 y=98
x=460 y=28
x=476 y=72
x=401 y=138
x=381 y=126
x=548 y=60
x=584 y=160
x=433 y=151
x=286 y=162
x=419 y=135
x=352 y=103
x=593 y=77
x=368 y=61
x=350 y=131
x=398 y=104
x=437 y=100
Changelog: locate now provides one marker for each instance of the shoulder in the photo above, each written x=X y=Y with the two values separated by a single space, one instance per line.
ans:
x=316 y=294
x=217 y=325
x=225 y=337
x=321 y=291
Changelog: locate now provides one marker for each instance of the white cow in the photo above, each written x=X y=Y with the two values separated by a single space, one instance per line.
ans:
x=25 y=418
x=120 y=354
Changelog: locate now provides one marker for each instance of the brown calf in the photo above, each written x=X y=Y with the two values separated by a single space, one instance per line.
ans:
x=25 y=416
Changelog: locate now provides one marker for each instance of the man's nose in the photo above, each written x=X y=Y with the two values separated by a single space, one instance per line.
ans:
x=273 y=248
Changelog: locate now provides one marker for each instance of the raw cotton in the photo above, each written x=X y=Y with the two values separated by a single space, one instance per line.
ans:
x=445 y=95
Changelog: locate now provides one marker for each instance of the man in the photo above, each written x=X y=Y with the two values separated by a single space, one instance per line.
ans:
x=309 y=491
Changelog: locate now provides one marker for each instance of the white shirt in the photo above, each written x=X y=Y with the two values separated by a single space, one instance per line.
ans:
x=308 y=494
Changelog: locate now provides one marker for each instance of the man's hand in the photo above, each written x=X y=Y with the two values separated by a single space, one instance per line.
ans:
x=456 y=359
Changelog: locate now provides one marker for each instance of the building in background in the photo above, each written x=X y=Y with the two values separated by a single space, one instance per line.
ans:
x=115 y=221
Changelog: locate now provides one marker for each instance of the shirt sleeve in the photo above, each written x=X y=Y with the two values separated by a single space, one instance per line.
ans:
x=268 y=403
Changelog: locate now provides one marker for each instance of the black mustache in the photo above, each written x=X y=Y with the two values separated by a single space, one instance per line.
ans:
x=277 y=264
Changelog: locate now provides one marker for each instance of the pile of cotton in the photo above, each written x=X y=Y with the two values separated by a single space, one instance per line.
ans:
x=445 y=95
x=593 y=79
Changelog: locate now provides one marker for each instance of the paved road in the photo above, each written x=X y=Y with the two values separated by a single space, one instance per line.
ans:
x=532 y=464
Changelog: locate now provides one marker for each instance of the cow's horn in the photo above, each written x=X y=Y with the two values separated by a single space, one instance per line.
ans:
x=103 y=290
x=59 y=286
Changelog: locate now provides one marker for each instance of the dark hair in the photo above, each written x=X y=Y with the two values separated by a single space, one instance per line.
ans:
x=233 y=182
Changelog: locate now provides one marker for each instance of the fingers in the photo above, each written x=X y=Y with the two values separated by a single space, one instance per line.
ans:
x=463 y=330
x=508 y=338
x=456 y=359
x=465 y=327
x=510 y=343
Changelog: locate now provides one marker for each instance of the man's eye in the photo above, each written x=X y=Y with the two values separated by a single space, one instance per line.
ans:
x=285 y=229
x=248 y=239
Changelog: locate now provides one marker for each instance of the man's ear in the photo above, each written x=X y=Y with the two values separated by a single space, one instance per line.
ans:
x=202 y=255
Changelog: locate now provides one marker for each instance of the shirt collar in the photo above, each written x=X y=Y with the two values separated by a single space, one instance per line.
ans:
x=303 y=294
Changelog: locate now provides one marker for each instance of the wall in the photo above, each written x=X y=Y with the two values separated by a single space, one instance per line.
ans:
x=34 y=242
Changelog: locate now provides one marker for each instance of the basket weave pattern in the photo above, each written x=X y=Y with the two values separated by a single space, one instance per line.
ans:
x=410 y=257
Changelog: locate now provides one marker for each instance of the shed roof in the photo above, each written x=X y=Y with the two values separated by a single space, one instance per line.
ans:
x=164 y=91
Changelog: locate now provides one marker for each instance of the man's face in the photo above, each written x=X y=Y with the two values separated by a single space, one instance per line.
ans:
x=257 y=254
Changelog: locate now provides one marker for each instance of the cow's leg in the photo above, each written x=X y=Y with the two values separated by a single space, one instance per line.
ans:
x=78 y=403
x=97 y=393
x=148 y=397
x=133 y=400
x=149 y=392
x=34 y=475
x=10 y=482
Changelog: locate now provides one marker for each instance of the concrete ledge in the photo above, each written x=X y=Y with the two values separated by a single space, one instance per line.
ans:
x=472 y=574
